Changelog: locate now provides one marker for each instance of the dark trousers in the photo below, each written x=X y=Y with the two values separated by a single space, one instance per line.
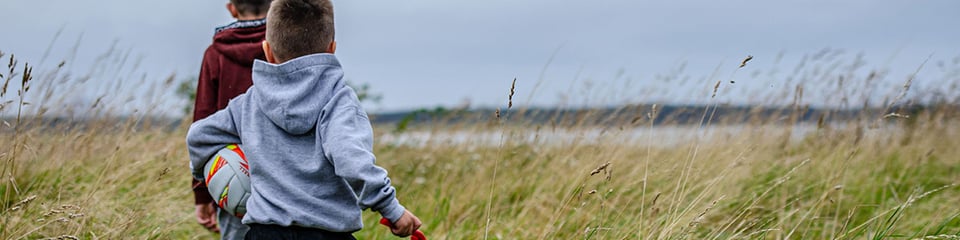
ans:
x=261 y=231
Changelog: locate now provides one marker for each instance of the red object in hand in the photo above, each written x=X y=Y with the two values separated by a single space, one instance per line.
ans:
x=417 y=235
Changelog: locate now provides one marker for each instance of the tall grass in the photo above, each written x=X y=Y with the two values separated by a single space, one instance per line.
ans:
x=585 y=175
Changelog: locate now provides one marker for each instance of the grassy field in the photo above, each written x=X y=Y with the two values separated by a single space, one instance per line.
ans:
x=893 y=182
x=877 y=178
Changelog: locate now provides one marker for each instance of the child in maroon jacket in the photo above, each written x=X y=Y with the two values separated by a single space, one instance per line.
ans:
x=224 y=74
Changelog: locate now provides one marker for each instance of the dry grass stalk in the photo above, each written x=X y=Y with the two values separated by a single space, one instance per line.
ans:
x=906 y=87
x=64 y=237
x=10 y=75
x=25 y=79
x=1 y=56
x=701 y=217
x=655 y=198
x=941 y=236
x=745 y=60
x=909 y=82
x=19 y=205
x=653 y=112
x=600 y=168
x=914 y=198
x=895 y=115
x=716 y=87
x=513 y=87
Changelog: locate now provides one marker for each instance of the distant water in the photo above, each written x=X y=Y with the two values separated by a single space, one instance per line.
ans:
x=660 y=136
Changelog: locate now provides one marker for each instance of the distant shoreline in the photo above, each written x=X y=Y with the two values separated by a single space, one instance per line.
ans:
x=623 y=115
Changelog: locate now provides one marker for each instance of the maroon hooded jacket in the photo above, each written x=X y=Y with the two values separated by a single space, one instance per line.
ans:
x=226 y=73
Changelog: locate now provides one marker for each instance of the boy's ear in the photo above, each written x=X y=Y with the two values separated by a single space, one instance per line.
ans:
x=333 y=47
x=269 y=53
x=233 y=10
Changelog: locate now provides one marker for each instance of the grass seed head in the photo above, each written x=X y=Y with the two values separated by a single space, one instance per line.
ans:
x=19 y=205
x=600 y=168
x=895 y=115
x=715 y=88
x=513 y=88
x=745 y=60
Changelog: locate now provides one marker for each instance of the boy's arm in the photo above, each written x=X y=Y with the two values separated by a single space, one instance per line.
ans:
x=348 y=144
x=208 y=136
x=205 y=103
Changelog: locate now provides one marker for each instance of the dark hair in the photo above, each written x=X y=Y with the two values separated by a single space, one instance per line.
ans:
x=297 y=28
x=253 y=7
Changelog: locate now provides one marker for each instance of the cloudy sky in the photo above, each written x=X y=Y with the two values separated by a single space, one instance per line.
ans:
x=428 y=53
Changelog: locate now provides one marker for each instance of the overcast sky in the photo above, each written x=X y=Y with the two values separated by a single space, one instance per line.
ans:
x=432 y=53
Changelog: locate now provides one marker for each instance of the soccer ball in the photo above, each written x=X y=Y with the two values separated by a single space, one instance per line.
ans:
x=227 y=175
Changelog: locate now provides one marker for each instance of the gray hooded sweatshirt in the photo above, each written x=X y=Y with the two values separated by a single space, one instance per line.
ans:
x=309 y=145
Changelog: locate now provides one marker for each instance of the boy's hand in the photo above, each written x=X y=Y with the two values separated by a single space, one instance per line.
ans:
x=207 y=216
x=406 y=225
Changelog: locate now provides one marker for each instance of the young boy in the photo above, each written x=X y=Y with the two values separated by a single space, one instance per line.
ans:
x=308 y=141
x=224 y=74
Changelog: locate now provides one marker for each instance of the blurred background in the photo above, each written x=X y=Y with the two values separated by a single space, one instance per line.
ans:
x=464 y=54
x=645 y=119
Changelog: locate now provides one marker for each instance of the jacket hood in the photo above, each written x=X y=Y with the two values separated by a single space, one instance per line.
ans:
x=241 y=42
x=292 y=94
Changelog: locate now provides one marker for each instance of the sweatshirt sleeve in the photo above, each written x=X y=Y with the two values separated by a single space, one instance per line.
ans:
x=208 y=136
x=205 y=103
x=348 y=143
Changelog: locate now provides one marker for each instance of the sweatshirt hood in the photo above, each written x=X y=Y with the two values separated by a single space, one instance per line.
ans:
x=292 y=94
x=241 y=41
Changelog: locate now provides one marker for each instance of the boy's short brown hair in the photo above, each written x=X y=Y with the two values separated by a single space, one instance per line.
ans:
x=298 y=28
x=252 y=7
